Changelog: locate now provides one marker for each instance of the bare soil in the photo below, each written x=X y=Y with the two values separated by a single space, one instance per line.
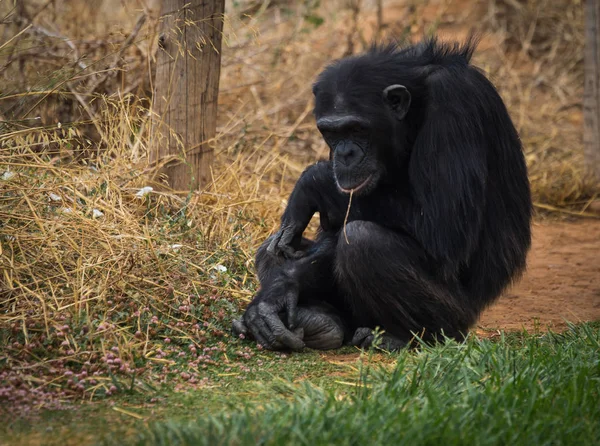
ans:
x=561 y=284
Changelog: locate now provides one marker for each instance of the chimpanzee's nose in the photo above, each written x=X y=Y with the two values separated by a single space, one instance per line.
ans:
x=348 y=153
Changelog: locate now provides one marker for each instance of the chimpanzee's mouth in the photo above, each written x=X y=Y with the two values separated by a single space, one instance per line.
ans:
x=357 y=188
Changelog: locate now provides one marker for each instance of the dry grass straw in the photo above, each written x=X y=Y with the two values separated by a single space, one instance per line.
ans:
x=86 y=263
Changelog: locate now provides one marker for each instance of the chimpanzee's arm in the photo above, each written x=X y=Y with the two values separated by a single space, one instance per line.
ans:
x=315 y=191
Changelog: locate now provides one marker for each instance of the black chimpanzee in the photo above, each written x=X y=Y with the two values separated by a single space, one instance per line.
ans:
x=424 y=207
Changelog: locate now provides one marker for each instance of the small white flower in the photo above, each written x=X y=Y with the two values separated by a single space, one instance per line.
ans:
x=54 y=197
x=176 y=247
x=7 y=175
x=97 y=214
x=144 y=191
x=221 y=268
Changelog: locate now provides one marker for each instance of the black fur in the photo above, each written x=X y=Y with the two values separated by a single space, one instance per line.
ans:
x=439 y=222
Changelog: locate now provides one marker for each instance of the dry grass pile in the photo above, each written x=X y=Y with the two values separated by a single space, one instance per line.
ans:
x=107 y=286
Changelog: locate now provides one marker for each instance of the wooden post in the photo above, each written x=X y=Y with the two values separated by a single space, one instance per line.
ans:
x=379 y=20
x=186 y=89
x=591 y=99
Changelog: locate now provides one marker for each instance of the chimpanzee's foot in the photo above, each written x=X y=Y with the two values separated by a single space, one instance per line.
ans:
x=323 y=327
x=364 y=337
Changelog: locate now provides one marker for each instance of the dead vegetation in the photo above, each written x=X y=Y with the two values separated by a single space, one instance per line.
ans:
x=542 y=64
x=106 y=284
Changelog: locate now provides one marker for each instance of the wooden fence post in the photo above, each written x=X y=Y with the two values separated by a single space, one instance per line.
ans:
x=186 y=90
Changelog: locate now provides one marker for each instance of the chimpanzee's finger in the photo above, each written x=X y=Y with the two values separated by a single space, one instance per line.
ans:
x=286 y=243
x=299 y=332
x=288 y=251
x=262 y=334
x=277 y=346
x=258 y=328
x=239 y=328
x=273 y=248
x=287 y=236
x=282 y=334
x=298 y=254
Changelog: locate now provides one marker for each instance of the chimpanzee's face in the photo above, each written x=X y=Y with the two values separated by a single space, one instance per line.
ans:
x=357 y=131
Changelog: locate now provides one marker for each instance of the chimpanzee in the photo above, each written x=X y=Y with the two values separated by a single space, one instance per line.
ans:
x=424 y=206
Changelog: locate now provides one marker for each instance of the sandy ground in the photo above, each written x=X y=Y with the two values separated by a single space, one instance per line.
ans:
x=562 y=281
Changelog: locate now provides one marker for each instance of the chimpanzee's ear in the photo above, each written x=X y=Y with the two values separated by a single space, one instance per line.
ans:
x=315 y=88
x=398 y=99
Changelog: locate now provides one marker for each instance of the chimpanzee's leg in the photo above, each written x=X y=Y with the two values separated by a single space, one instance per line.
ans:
x=388 y=281
x=319 y=317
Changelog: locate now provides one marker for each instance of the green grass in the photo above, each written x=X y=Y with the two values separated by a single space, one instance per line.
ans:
x=527 y=389
x=533 y=391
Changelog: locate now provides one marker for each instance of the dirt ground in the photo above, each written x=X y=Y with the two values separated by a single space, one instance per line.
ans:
x=562 y=281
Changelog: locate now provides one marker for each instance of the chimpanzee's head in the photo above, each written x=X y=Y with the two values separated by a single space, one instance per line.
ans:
x=361 y=112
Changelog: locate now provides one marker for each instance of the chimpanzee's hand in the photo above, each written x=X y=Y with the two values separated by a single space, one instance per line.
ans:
x=240 y=330
x=263 y=322
x=283 y=242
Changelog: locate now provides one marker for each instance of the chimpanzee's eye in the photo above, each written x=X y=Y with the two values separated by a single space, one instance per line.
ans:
x=359 y=131
x=329 y=135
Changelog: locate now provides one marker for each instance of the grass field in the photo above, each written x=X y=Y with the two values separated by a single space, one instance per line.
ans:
x=520 y=389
